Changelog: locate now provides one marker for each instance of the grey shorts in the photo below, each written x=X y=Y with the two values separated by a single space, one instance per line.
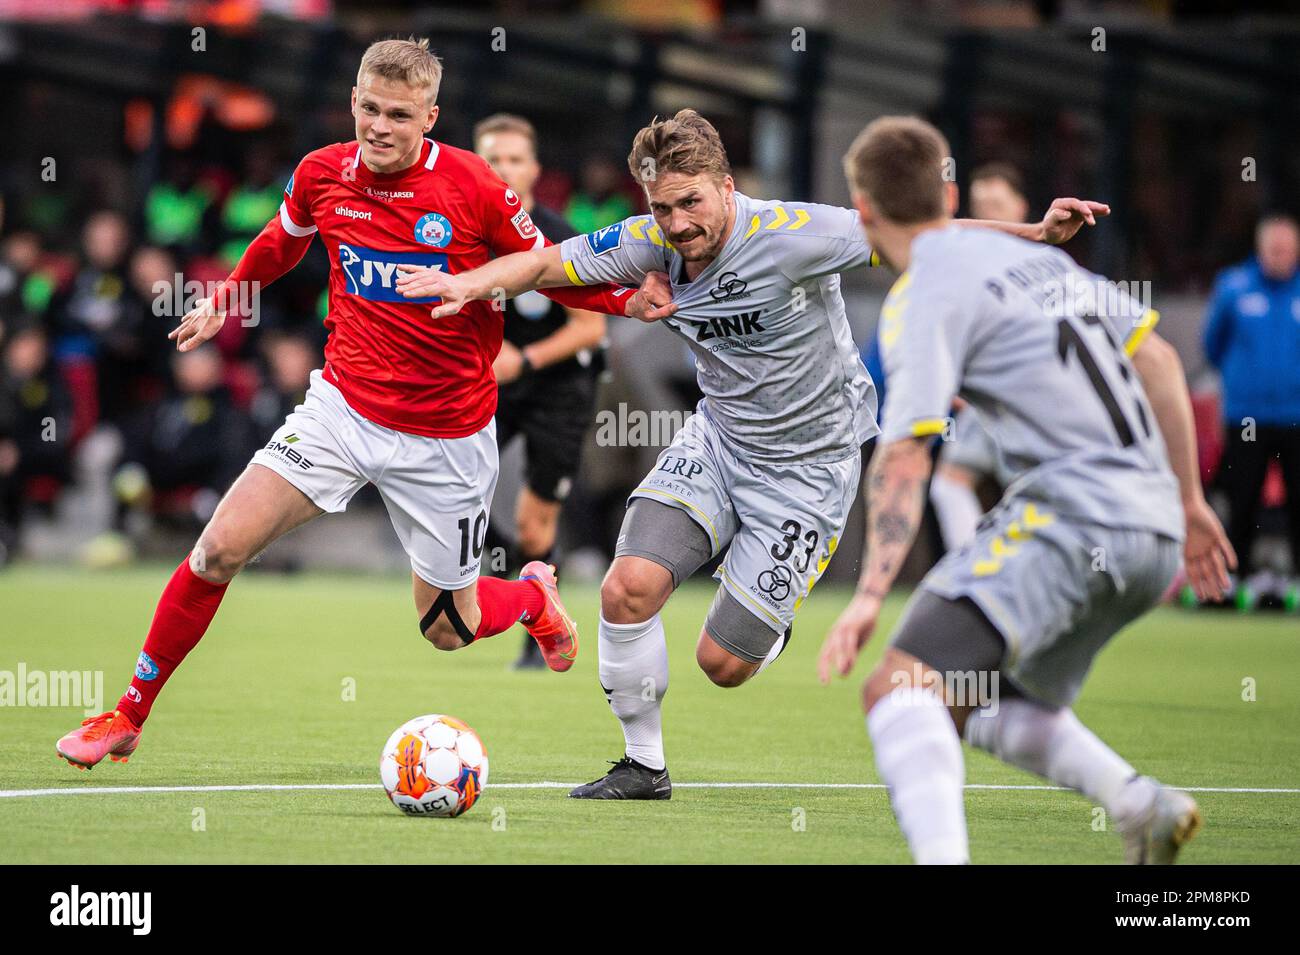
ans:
x=1056 y=589
x=779 y=525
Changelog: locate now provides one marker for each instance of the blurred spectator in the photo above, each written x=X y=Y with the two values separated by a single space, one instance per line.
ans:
x=997 y=191
x=97 y=322
x=154 y=277
x=182 y=454
x=24 y=290
x=35 y=430
x=250 y=204
x=1252 y=335
x=290 y=360
x=174 y=208
x=600 y=198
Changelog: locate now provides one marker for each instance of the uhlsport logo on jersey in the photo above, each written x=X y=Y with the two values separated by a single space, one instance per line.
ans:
x=434 y=229
x=372 y=273
x=605 y=240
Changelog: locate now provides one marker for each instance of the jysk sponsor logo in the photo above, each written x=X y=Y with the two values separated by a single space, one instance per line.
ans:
x=283 y=447
x=605 y=240
x=434 y=229
x=145 y=668
x=372 y=273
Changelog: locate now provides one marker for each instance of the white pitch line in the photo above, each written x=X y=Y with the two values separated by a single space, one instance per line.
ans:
x=273 y=787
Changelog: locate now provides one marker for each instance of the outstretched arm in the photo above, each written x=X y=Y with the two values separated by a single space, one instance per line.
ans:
x=1207 y=554
x=1064 y=218
x=504 y=278
x=895 y=499
x=274 y=252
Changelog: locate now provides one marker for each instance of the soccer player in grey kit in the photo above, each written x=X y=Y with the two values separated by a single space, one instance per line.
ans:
x=768 y=468
x=1084 y=541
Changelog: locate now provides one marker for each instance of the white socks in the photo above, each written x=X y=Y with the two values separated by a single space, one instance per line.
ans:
x=1054 y=744
x=919 y=757
x=634 y=674
x=958 y=510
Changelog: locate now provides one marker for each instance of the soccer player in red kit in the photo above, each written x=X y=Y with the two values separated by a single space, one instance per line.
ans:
x=403 y=402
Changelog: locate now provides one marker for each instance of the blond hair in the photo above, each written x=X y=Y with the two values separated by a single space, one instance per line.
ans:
x=687 y=143
x=505 y=123
x=897 y=162
x=405 y=61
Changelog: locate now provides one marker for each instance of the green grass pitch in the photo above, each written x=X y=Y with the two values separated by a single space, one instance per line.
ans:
x=261 y=701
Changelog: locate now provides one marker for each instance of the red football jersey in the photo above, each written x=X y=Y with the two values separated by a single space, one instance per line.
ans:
x=393 y=363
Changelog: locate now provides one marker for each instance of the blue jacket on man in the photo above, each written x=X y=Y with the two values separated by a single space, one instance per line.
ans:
x=1252 y=335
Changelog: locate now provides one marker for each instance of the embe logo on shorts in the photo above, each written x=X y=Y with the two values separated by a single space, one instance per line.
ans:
x=1006 y=545
x=282 y=447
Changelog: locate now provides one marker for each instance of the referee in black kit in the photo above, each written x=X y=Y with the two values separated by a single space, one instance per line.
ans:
x=547 y=367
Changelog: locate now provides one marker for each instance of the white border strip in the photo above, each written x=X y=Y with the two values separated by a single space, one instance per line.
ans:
x=272 y=787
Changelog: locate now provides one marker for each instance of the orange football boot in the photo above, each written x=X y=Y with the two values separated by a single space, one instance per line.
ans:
x=108 y=734
x=554 y=630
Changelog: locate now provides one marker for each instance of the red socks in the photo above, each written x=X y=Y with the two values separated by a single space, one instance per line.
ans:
x=189 y=603
x=186 y=607
x=503 y=603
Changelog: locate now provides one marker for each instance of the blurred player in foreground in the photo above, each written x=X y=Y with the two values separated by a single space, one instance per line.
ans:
x=998 y=639
x=769 y=466
x=546 y=369
x=403 y=402
x=969 y=456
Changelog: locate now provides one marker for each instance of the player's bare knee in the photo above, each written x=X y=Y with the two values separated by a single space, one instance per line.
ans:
x=443 y=635
x=723 y=668
x=449 y=618
x=217 y=558
x=631 y=592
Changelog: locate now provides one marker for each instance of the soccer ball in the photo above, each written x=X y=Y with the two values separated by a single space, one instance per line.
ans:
x=434 y=766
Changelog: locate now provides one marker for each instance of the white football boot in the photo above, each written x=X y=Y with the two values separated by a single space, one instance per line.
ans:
x=1154 y=836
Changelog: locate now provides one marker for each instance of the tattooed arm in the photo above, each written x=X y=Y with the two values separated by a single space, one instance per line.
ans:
x=895 y=499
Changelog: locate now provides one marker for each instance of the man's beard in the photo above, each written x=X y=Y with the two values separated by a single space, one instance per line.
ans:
x=710 y=251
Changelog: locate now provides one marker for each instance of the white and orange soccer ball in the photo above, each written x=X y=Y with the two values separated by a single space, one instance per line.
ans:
x=434 y=766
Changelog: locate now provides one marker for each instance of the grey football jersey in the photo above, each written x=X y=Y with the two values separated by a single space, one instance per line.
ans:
x=765 y=322
x=1020 y=331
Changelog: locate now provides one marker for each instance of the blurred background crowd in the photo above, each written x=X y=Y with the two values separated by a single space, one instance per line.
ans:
x=146 y=143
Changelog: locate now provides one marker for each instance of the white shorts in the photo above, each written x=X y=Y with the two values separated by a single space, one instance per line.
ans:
x=438 y=491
